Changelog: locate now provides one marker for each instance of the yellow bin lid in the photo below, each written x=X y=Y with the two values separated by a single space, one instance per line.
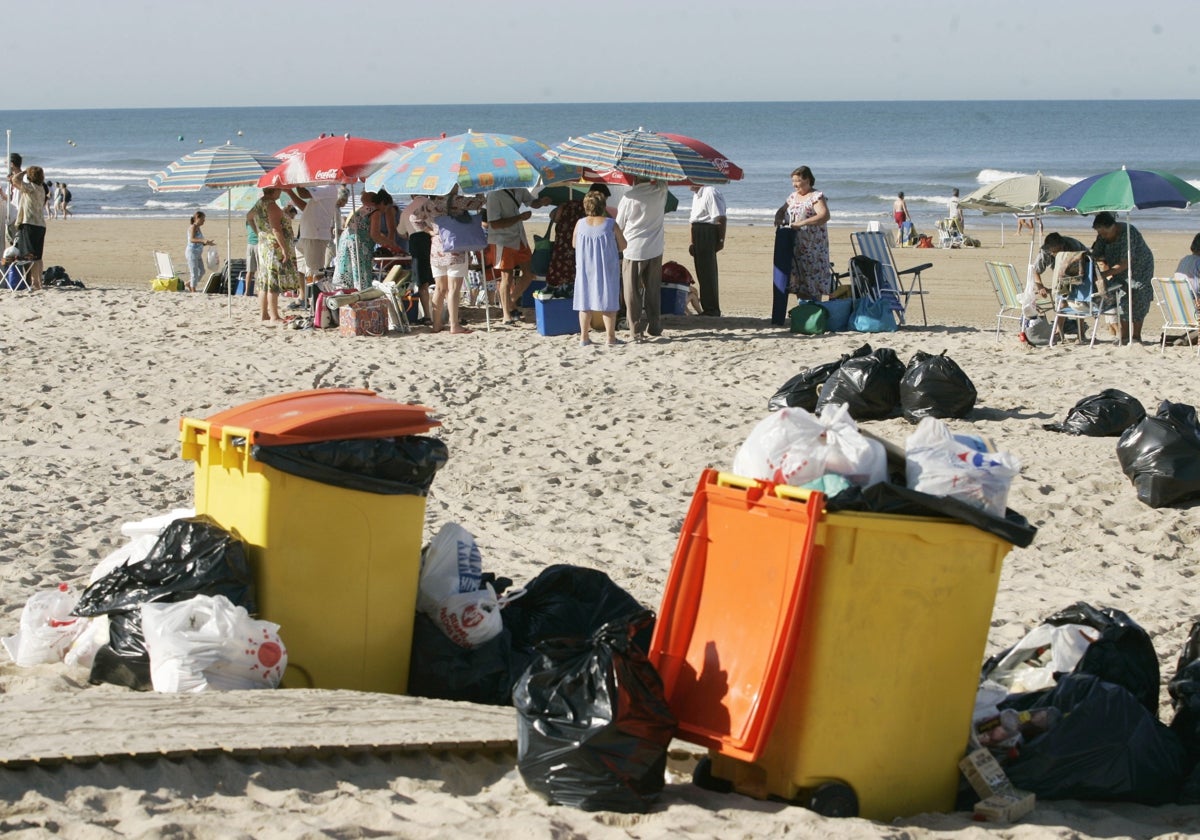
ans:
x=323 y=414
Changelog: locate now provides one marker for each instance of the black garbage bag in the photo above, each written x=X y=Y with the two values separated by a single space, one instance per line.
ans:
x=1105 y=747
x=869 y=385
x=191 y=557
x=1106 y=414
x=1121 y=652
x=444 y=670
x=1161 y=455
x=593 y=723
x=402 y=465
x=569 y=601
x=801 y=390
x=1184 y=689
x=935 y=386
x=885 y=497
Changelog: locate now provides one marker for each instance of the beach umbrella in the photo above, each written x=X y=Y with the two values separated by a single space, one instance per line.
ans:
x=328 y=159
x=1128 y=190
x=476 y=162
x=236 y=199
x=215 y=167
x=638 y=154
x=1019 y=194
x=723 y=164
x=562 y=193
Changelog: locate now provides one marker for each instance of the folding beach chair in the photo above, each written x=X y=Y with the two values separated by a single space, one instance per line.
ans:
x=1007 y=286
x=1081 y=301
x=166 y=280
x=1177 y=302
x=16 y=274
x=874 y=244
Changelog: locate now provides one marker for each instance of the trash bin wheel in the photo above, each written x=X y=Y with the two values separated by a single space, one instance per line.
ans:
x=833 y=799
x=702 y=777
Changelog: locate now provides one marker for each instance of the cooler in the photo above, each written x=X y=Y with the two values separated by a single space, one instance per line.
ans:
x=673 y=298
x=336 y=568
x=826 y=659
x=556 y=316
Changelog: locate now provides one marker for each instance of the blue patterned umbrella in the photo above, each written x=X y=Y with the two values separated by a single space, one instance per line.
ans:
x=640 y=153
x=218 y=167
x=475 y=162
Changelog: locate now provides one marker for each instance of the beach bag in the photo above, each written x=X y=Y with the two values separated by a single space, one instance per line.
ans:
x=543 y=251
x=935 y=386
x=1037 y=332
x=676 y=274
x=593 y=723
x=1107 y=414
x=809 y=318
x=872 y=315
x=461 y=234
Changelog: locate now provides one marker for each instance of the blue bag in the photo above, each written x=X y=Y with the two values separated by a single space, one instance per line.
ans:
x=872 y=315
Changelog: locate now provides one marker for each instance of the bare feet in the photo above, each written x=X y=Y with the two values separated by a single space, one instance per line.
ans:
x=460 y=331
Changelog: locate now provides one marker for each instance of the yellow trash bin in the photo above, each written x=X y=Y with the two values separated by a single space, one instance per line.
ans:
x=869 y=710
x=336 y=568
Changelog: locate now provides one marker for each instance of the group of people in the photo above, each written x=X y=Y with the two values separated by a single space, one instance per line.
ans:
x=1117 y=245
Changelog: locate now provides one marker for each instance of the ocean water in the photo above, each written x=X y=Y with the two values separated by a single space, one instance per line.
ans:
x=861 y=152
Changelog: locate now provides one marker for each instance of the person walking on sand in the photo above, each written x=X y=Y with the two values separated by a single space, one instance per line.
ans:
x=598 y=243
x=956 y=214
x=900 y=210
x=708 y=237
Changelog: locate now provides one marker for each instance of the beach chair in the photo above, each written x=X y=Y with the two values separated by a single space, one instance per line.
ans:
x=874 y=244
x=167 y=280
x=1008 y=290
x=1081 y=302
x=1177 y=303
x=16 y=269
x=949 y=236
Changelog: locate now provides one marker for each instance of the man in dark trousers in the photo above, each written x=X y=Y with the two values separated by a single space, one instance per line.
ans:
x=708 y=237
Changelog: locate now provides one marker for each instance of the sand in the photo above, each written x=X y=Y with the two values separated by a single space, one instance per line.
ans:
x=558 y=455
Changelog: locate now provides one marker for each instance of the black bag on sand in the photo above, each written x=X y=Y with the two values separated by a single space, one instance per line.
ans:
x=192 y=557
x=1185 y=694
x=1106 y=414
x=593 y=723
x=1161 y=455
x=1106 y=746
x=935 y=386
x=444 y=670
x=869 y=385
x=801 y=390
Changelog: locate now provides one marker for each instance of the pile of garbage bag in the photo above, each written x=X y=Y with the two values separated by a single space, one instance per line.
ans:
x=1071 y=712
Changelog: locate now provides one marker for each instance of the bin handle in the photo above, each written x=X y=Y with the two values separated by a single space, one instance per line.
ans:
x=190 y=430
x=228 y=433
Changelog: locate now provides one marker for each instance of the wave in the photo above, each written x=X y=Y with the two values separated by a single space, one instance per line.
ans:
x=106 y=173
x=154 y=203
x=100 y=187
x=943 y=200
x=991 y=176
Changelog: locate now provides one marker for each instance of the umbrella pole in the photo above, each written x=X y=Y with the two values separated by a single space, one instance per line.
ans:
x=229 y=252
x=7 y=154
x=1129 y=273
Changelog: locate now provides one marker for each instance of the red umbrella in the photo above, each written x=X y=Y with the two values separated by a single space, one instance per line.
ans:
x=723 y=164
x=327 y=160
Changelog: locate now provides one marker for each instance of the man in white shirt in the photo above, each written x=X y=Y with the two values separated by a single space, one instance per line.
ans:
x=708 y=237
x=640 y=217
x=318 y=214
x=506 y=236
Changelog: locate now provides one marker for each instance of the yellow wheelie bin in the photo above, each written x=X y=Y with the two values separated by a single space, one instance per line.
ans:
x=337 y=568
x=827 y=659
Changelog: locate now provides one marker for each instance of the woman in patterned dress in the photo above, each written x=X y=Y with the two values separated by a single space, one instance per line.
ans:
x=276 y=254
x=354 y=265
x=806 y=212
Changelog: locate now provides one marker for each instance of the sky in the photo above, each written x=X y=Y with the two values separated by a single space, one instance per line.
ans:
x=201 y=53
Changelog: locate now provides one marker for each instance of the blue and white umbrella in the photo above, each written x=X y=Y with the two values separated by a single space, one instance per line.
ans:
x=217 y=167
x=641 y=154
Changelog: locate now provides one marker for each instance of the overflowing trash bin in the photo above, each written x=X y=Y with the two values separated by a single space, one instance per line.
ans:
x=327 y=489
x=826 y=658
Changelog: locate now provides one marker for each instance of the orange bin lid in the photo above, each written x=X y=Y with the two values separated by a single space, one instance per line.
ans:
x=323 y=414
x=727 y=630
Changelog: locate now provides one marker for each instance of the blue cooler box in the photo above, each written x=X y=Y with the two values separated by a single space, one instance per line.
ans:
x=241 y=289
x=527 y=296
x=556 y=316
x=674 y=299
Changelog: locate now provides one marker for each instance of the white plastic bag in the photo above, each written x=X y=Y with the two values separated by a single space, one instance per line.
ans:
x=471 y=618
x=451 y=564
x=1045 y=651
x=207 y=642
x=212 y=258
x=791 y=446
x=47 y=628
x=92 y=636
x=941 y=464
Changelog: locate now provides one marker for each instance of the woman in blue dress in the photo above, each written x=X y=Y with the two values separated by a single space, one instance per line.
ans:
x=195 y=250
x=598 y=243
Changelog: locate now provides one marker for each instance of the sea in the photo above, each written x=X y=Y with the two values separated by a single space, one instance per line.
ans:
x=862 y=153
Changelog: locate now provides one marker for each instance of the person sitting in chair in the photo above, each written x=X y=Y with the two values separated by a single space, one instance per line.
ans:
x=1054 y=244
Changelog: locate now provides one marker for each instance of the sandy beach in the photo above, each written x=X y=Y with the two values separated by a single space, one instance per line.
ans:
x=557 y=455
